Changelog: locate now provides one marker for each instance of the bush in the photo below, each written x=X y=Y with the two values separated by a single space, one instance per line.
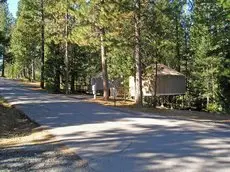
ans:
x=213 y=107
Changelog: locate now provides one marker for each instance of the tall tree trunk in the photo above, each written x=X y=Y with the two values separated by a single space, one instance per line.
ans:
x=178 y=44
x=29 y=70
x=42 y=82
x=3 y=65
x=24 y=73
x=33 y=70
x=155 y=85
x=66 y=51
x=138 y=92
x=57 y=80
x=104 y=66
x=72 y=83
x=186 y=57
x=104 y=61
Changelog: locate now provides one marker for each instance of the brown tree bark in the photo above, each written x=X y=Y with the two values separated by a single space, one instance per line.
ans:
x=57 y=80
x=3 y=66
x=72 y=83
x=66 y=51
x=42 y=81
x=104 y=67
x=155 y=85
x=33 y=70
x=137 y=56
x=178 y=45
x=104 y=62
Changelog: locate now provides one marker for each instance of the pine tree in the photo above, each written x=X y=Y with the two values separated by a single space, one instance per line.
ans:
x=6 y=21
x=128 y=36
x=208 y=35
x=96 y=29
x=25 y=42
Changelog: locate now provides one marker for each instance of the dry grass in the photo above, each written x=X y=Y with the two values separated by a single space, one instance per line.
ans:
x=33 y=138
x=194 y=115
x=186 y=114
x=35 y=85
x=13 y=122
x=17 y=129
x=110 y=102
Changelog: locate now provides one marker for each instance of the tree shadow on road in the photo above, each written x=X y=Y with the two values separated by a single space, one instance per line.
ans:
x=118 y=141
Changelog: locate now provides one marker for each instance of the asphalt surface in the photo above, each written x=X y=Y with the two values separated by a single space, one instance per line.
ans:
x=115 y=141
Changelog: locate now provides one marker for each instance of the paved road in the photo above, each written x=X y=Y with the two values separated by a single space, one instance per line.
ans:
x=115 y=141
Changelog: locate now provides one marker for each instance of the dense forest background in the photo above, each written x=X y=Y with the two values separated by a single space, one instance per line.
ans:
x=63 y=43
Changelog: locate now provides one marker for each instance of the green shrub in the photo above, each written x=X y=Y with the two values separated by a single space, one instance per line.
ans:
x=213 y=107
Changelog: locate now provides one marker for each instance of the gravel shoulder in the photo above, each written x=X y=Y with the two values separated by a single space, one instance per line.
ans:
x=38 y=151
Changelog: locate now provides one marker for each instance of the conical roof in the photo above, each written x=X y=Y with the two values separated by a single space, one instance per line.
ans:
x=162 y=70
x=165 y=70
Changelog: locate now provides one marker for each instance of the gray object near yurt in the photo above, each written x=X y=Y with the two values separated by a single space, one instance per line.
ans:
x=98 y=81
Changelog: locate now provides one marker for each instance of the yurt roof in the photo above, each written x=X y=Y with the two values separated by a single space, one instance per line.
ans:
x=165 y=70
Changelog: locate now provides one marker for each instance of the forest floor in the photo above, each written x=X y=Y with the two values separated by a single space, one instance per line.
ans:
x=34 y=85
x=14 y=123
x=25 y=146
x=184 y=114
